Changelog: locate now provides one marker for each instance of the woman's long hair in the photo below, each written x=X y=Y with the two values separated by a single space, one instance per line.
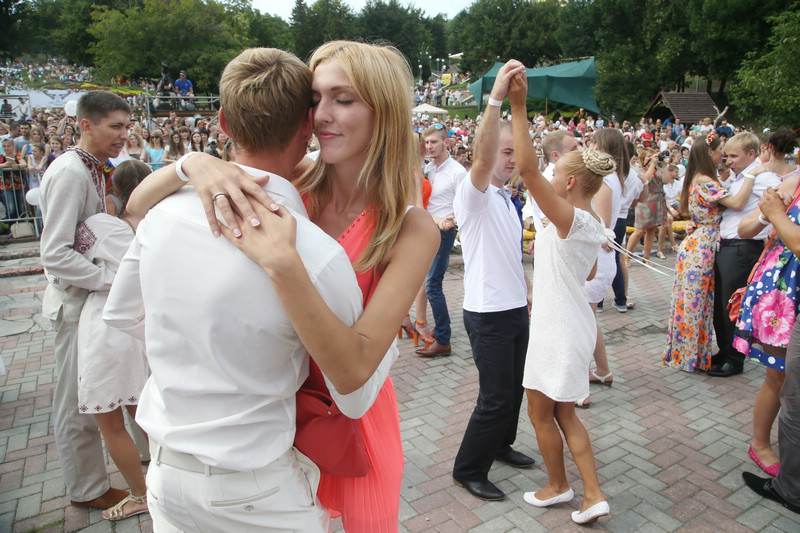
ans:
x=381 y=78
x=611 y=141
x=700 y=163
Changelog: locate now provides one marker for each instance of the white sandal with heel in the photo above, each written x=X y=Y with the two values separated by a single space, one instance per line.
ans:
x=118 y=513
x=606 y=380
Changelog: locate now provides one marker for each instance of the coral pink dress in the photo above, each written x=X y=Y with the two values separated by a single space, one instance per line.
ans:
x=369 y=504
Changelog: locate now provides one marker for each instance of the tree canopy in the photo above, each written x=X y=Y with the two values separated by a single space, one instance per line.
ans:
x=640 y=46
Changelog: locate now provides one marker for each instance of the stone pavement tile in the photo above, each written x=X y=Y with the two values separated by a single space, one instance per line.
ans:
x=40 y=522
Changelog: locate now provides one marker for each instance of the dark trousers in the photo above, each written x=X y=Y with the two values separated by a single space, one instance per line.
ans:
x=499 y=342
x=788 y=481
x=620 y=298
x=734 y=262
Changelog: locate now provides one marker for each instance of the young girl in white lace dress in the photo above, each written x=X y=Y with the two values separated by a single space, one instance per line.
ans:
x=112 y=365
x=563 y=331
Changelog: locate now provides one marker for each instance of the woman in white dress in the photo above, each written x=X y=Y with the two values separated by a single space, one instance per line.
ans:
x=112 y=365
x=563 y=330
x=606 y=203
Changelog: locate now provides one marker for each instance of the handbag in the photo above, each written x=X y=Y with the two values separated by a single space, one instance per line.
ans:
x=22 y=229
x=735 y=301
x=324 y=434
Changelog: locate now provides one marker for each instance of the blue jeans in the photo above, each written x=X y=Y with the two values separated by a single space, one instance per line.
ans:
x=620 y=298
x=433 y=286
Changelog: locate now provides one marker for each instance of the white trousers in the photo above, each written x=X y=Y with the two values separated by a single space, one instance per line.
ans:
x=280 y=497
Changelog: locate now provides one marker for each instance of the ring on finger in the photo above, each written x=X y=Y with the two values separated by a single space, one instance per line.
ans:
x=214 y=197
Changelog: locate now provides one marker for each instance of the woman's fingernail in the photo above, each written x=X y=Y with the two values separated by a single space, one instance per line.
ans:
x=273 y=206
x=255 y=222
x=217 y=233
x=237 y=232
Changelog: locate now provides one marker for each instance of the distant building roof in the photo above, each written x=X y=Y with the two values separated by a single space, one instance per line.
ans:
x=689 y=107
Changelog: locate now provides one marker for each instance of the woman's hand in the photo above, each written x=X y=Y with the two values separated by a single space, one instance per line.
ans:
x=518 y=89
x=771 y=204
x=227 y=187
x=271 y=244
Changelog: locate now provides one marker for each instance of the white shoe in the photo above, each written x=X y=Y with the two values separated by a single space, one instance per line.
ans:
x=531 y=498
x=592 y=513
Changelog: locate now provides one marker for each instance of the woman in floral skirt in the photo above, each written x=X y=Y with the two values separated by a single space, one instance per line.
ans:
x=689 y=336
x=769 y=308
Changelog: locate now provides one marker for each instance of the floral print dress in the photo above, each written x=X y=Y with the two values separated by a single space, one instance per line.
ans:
x=690 y=329
x=770 y=305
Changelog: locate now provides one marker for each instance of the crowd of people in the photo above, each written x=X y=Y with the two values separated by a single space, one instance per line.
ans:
x=327 y=253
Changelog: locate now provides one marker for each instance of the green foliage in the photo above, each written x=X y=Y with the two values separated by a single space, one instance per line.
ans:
x=491 y=30
x=398 y=25
x=187 y=34
x=767 y=88
x=324 y=21
x=11 y=13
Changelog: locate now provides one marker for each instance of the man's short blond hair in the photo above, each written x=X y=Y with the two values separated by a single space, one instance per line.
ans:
x=746 y=141
x=265 y=94
x=554 y=142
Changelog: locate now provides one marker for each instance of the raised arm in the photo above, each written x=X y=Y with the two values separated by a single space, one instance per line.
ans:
x=487 y=139
x=554 y=207
x=752 y=224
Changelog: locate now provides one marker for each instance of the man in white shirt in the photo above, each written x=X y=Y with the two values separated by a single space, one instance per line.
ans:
x=496 y=298
x=444 y=174
x=736 y=256
x=554 y=146
x=226 y=362
x=73 y=189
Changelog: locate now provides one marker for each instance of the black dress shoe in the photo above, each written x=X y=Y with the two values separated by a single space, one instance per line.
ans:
x=727 y=370
x=763 y=487
x=515 y=458
x=484 y=490
x=717 y=360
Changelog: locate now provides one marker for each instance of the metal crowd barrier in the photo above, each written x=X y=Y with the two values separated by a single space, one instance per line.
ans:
x=18 y=218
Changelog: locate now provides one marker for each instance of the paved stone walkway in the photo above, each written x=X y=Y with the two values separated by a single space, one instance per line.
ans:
x=670 y=446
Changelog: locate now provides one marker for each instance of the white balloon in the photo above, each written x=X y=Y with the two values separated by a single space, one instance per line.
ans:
x=71 y=108
x=32 y=196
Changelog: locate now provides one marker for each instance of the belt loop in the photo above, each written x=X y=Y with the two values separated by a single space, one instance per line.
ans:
x=207 y=470
x=158 y=454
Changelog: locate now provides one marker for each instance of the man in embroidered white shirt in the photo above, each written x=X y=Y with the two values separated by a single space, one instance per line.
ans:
x=73 y=189
x=226 y=362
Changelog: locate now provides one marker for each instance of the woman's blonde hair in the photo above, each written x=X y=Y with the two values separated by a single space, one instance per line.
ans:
x=381 y=78
x=589 y=167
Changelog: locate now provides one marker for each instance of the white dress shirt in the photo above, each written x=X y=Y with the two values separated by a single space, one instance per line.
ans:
x=531 y=208
x=444 y=180
x=226 y=362
x=729 y=226
x=490 y=235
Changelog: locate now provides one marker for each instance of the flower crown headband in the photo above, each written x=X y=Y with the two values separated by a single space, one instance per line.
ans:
x=710 y=138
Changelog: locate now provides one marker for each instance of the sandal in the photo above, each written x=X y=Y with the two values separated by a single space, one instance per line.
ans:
x=118 y=513
x=661 y=255
x=585 y=403
x=606 y=380
x=406 y=327
x=630 y=304
x=676 y=248
x=424 y=336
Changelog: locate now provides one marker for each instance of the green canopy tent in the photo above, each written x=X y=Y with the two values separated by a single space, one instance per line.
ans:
x=569 y=83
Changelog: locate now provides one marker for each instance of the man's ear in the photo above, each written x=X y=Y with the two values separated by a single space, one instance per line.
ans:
x=306 y=127
x=86 y=126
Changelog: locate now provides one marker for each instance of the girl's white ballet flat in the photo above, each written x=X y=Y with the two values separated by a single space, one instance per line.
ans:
x=564 y=497
x=591 y=514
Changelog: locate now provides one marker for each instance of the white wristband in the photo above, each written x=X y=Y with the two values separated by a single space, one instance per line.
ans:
x=749 y=177
x=179 y=169
x=763 y=220
x=495 y=103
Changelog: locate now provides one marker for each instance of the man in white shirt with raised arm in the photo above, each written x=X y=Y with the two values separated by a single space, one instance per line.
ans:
x=226 y=362
x=496 y=299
